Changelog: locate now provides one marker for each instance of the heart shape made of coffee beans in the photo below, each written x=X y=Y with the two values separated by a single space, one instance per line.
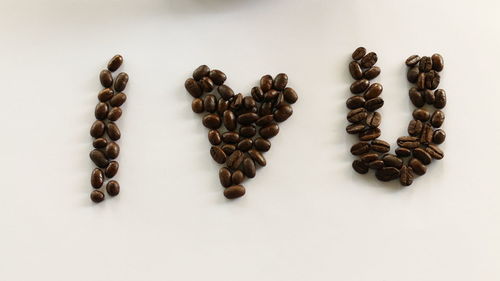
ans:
x=240 y=126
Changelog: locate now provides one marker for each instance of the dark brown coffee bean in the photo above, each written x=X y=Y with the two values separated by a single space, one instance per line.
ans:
x=360 y=166
x=355 y=128
x=211 y=121
x=266 y=109
x=380 y=146
x=121 y=82
x=245 y=145
x=98 y=157
x=432 y=80
x=412 y=74
x=437 y=118
x=355 y=102
x=429 y=97
x=218 y=154
x=271 y=95
x=427 y=133
x=247 y=118
x=98 y=128
x=406 y=176
x=266 y=83
x=228 y=149
x=237 y=177
x=262 y=144
x=373 y=91
x=359 y=86
x=377 y=164
x=237 y=101
x=114 y=114
x=207 y=85
x=355 y=70
x=249 y=167
x=422 y=155
x=369 y=157
x=105 y=94
x=229 y=120
x=290 y=95
x=217 y=76
x=417 y=166
x=113 y=188
x=374 y=104
x=225 y=92
x=193 y=88
x=369 y=60
x=113 y=131
x=421 y=114
x=265 y=120
x=115 y=63
x=435 y=152
x=106 y=78
x=360 y=148
x=357 y=115
x=214 y=137
x=392 y=161
x=96 y=196
x=425 y=64
x=97 y=178
x=269 y=131
x=371 y=73
x=403 y=152
x=249 y=102
x=439 y=136
x=248 y=131
x=257 y=94
x=222 y=105
x=234 y=191
x=416 y=97
x=437 y=62
x=101 y=111
x=387 y=174
x=200 y=72
x=412 y=60
x=280 y=81
x=359 y=53
x=210 y=103
x=100 y=143
x=118 y=100
x=373 y=119
x=197 y=105
x=234 y=160
x=112 y=150
x=225 y=177
x=283 y=113
x=279 y=101
x=231 y=137
x=421 y=81
x=112 y=169
x=415 y=128
x=440 y=101
x=369 y=134
x=257 y=157
x=408 y=142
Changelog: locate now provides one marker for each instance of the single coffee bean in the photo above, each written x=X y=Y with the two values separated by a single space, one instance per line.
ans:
x=412 y=74
x=369 y=60
x=249 y=102
x=262 y=144
x=437 y=62
x=234 y=191
x=113 y=131
x=435 y=152
x=257 y=157
x=197 y=105
x=373 y=119
x=421 y=81
x=112 y=150
x=214 y=137
x=200 y=72
x=271 y=95
x=121 y=82
x=355 y=70
x=218 y=154
x=225 y=92
x=269 y=131
x=225 y=177
x=100 y=143
x=113 y=188
x=247 y=118
x=357 y=115
x=222 y=105
x=111 y=169
x=266 y=83
x=355 y=102
x=429 y=97
x=440 y=101
x=105 y=94
x=106 y=78
x=355 y=128
x=210 y=103
x=280 y=81
x=101 y=111
x=369 y=134
x=415 y=128
x=427 y=133
x=217 y=76
x=374 y=104
x=387 y=174
x=290 y=95
x=237 y=101
x=266 y=109
x=279 y=101
x=373 y=91
x=283 y=113
x=96 y=196
x=265 y=120
x=114 y=114
x=359 y=53
x=422 y=155
x=408 y=142
x=417 y=166
x=421 y=114
x=115 y=63
x=369 y=157
x=380 y=146
x=359 y=86
x=360 y=148
x=234 y=160
x=237 y=177
x=98 y=128
x=207 y=85
x=425 y=64
x=118 y=100
x=231 y=137
x=257 y=94
x=360 y=166
x=97 y=178
x=412 y=60
x=392 y=161
x=371 y=73
x=377 y=164
x=249 y=167
x=193 y=88
x=403 y=152
x=416 y=97
x=406 y=176
x=211 y=121
x=437 y=118
x=228 y=149
x=229 y=120
x=98 y=157
x=245 y=145
x=248 y=131
x=432 y=80
x=439 y=136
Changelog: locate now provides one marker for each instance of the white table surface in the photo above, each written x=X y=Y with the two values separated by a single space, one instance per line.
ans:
x=307 y=215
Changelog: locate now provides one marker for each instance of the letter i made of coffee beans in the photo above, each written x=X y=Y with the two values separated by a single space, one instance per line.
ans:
x=105 y=132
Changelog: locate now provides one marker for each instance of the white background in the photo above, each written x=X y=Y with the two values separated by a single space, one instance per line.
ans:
x=307 y=215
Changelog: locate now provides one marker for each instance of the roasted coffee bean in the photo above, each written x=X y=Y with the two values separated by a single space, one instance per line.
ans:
x=421 y=81
x=249 y=102
x=374 y=104
x=437 y=118
x=279 y=101
x=210 y=103
x=360 y=148
x=237 y=177
x=225 y=177
x=269 y=131
x=425 y=64
x=97 y=178
x=207 y=85
x=115 y=63
x=200 y=72
x=262 y=144
x=359 y=86
x=412 y=74
x=234 y=191
x=265 y=120
x=387 y=174
x=408 y=142
x=369 y=157
x=247 y=118
x=217 y=76
x=266 y=83
x=271 y=95
x=228 y=149
x=100 y=143
x=218 y=154
x=96 y=196
x=437 y=62
x=369 y=60
x=222 y=106
x=248 y=131
x=113 y=188
x=101 y=111
x=121 y=82
x=211 y=121
x=416 y=97
x=214 y=137
x=355 y=128
x=112 y=150
x=412 y=60
x=429 y=97
x=371 y=73
x=114 y=114
x=106 y=78
x=266 y=109
x=248 y=167
x=234 y=160
x=369 y=134
x=380 y=146
x=357 y=115
x=98 y=157
x=355 y=102
x=229 y=120
x=245 y=145
x=290 y=95
x=422 y=155
x=360 y=166
x=355 y=70
x=392 y=161
x=403 y=152
x=415 y=128
x=432 y=80
x=113 y=131
x=359 y=53
x=373 y=119
x=237 y=101
x=98 y=128
x=257 y=157
x=197 y=105
x=377 y=164
x=417 y=166
x=427 y=133
x=257 y=94
x=193 y=88
x=280 y=81
x=231 y=137
x=111 y=169
x=440 y=101
x=118 y=100
x=283 y=113
x=439 y=136
x=435 y=152
x=225 y=92
x=421 y=114
x=105 y=94
x=406 y=176
x=373 y=91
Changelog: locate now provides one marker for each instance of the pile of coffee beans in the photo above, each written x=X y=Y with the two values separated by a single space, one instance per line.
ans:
x=105 y=131
x=420 y=147
x=239 y=126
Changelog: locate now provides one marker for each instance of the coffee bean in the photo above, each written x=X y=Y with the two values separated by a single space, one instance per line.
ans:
x=121 y=82
x=432 y=80
x=98 y=157
x=222 y=105
x=266 y=83
x=249 y=167
x=437 y=118
x=359 y=53
x=359 y=86
x=225 y=177
x=290 y=95
x=421 y=81
x=271 y=95
x=369 y=157
x=210 y=103
x=392 y=161
x=98 y=128
x=217 y=76
x=373 y=119
x=440 y=101
x=266 y=109
x=211 y=121
x=229 y=120
x=380 y=146
x=101 y=111
x=373 y=91
x=257 y=94
x=200 y=72
x=262 y=144
x=218 y=154
x=247 y=118
x=439 y=136
x=193 y=88
x=369 y=60
x=249 y=102
x=377 y=164
x=207 y=85
x=113 y=188
x=357 y=115
x=371 y=73
x=425 y=64
x=106 y=78
x=360 y=148
x=415 y=128
x=283 y=113
x=355 y=102
x=408 y=142
x=228 y=148
x=257 y=157
x=105 y=94
x=111 y=169
x=269 y=131
x=115 y=63
x=245 y=145
x=355 y=128
x=422 y=155
x=369 y=134
x=231 y=137
x=265 y=120
x=406 y=176
x=374 y=104
x=234 y=191
x=360 y=166
x=237 y=177
x=403 y=152
x=437 y=62
x=435 y=152
x=412 y=74
x=387 y=174
x=416 y=97
x=118 y=100
x=429 y=97
x=97 y=178
x=412 y=60
x=235 y=160
x=237 y=101
x=280 y=81
x=421 y=114
x=197 y=105
x=417 y=166
x=100 y=143
x=113 y=131
x=248 y=131
x=427 y=133
x=96 y=196
x=114 y=114
x=112 y=150
x=214 y=137
x=355 y=70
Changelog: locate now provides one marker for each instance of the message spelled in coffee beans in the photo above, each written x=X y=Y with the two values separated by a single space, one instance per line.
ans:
x=105 y=131
x=420 y=147
x=240 y=127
